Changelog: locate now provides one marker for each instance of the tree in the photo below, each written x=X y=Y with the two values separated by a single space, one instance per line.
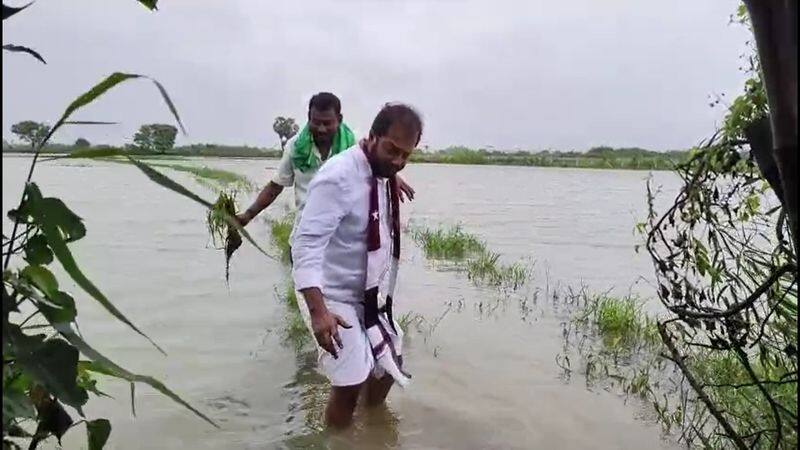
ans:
x=285 y=128
x=155 y=137
x=775 y=29
x=82 y=143
x=725 y=255
x=31 y=132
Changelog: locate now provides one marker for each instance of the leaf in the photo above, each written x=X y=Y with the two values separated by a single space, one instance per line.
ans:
x=103 y=87
x=86 y=381
x=54 y=212
x=98 y=432
x=52 y=417
x=54 y=364
x=168 y=183
x=44 y=219
x=103 y=365
x=9 y=11
x=168 y=101
x=42 y=278
x=150 y=4
x=37 y=252
x=23 y=49
x=88 y=122
x=16 y=405
x=64 y=311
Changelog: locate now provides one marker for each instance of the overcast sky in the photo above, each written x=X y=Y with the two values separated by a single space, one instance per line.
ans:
x=526 y=74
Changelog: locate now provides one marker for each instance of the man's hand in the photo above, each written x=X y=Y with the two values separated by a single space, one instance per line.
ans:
x=405 y=190
x=326 y=331
x=244 y=218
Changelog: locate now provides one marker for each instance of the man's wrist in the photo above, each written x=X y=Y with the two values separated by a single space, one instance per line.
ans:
x=250 y=214
x=314 y=301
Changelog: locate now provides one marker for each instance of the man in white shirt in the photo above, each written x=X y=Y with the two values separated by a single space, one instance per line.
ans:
x=324 y=136
x=329 y=250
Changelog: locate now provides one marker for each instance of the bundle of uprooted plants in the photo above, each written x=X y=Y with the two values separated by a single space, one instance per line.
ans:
x=224 y=235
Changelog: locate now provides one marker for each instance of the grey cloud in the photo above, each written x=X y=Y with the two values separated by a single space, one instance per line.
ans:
x=528 y=74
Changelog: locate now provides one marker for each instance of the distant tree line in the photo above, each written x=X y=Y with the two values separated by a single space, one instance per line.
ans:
x=159 y=139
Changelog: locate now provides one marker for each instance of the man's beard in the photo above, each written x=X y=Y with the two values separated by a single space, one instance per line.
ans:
x=381 y=170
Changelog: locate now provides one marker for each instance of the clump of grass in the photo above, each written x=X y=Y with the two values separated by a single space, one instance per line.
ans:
x=410 y=318
x=487 y=269
x=620 y=322
x=280 y=231
x=296 y=332
x=451 y=243
x=471 y=254
x=223 y=235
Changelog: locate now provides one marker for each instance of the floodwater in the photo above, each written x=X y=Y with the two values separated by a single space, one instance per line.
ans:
x=483 y=362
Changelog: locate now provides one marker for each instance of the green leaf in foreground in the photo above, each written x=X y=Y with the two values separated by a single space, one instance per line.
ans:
x=48 y=215
x=152 y=5
x=43 y=279
x=37 y=252
x=103 y=365
x=98 y=432
x=108 y=83
x=16 y=404
x=52 y=363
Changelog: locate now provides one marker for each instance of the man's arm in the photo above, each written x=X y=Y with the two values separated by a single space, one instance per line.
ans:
x=264 y=199
x=284 y=177
x=325 y=207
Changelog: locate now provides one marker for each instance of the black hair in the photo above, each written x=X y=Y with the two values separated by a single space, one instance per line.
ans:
x=400 y=113
x=325 y=101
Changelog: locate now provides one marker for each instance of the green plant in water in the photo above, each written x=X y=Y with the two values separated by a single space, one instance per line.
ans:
x=280 y=232
x=223 y=235
x=471 y=255
x=487 y=269
x=620 y=322
x=410 y=318
x=450 y=243
x=296 y=332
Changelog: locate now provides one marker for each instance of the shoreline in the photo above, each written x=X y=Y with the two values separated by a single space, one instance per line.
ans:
x=589 y=163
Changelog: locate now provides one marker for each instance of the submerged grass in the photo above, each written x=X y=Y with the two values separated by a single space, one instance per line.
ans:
x=410 y=318
x=280 y=232
x=732 y=389
x=619 y=322
x=295 y=333
x=471 y=255
x=448 y=243
x=619 y=346
x=487 y=269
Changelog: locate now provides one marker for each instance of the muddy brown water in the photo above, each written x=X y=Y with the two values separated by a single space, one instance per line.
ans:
x=484 y=377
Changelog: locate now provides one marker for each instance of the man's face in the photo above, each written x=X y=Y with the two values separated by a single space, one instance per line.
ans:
x=389 y=154
x=323 y=125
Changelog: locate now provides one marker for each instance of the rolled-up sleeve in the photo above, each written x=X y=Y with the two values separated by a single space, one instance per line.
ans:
x=325 y=207
x=284 y=176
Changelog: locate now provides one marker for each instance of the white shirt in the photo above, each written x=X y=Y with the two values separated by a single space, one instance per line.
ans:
x=288 y=175
x=329 y=244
